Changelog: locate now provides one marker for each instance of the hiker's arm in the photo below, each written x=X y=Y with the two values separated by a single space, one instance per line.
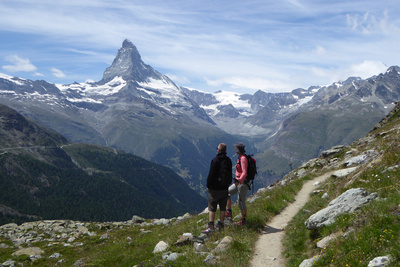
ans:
x=211 y=174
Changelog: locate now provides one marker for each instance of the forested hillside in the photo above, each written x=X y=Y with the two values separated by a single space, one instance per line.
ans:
x=44 y=177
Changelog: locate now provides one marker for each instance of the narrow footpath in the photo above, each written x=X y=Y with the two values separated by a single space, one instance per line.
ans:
x=268 y=250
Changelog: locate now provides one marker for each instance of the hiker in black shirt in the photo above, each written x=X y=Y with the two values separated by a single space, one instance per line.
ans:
x=218 y=180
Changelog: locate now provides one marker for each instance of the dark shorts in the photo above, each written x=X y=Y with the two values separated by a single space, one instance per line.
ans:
x=217 y=197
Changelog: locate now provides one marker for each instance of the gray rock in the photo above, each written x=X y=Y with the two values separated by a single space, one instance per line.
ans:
x=171 y=256
x=8 y=227
x=309 y=262
x=162 y=221
x=323 y=243
x=360 y=159
x=143 y=232
x=2 y=245
x=301 y=173
x=348 y=202
x=71 y=239
x=325 y=196
x=200 y=247
x=35 y=257
x=8 y=263
x=223 y=245
x=81 y=262
x=105 y=236
x=380 y=261
x=344 y=172
x=29 y=251
x=211 y=259
x=62 y=261
x=332 y=151
x=184 y=240
x=55 y=256
x=160 y=247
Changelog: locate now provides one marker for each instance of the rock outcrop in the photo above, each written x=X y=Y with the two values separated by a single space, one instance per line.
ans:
x=348 y=202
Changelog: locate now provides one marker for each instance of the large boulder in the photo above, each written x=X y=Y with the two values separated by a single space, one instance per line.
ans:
x=347 y=202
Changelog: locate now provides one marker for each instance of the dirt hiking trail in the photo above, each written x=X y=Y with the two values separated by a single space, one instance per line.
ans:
x=268 y=250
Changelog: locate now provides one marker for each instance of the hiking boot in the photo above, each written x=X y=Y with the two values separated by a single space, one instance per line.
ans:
x=209 y=230
x=228 y=215
x=220 y=226
x=242 y=221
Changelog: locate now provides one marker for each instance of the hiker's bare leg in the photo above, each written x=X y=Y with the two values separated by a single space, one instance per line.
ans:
x=229 y=203
x=211 y=216
x=244 y=213
x=222 y=216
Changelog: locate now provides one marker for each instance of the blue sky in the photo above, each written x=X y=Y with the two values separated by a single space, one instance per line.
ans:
x=233 y=45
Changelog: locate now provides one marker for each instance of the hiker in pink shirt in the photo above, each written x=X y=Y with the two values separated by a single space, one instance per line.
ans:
x=240 y=186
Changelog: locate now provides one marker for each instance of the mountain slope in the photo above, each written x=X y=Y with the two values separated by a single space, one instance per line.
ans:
x=43 y=176
x=337 y=115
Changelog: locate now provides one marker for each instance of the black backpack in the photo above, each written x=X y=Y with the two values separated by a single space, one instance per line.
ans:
x=251 y=170
x=225 y=172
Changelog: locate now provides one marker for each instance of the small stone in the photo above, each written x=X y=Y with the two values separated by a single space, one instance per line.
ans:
x=8 y=263
x=55 y=256
x=211 y=260
x=160 y=247
x=380 y=261
x=223 y=245
x=199 y=247
x=105 y=236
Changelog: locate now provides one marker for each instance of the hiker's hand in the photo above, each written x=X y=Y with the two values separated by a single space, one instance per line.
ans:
x=208 y=190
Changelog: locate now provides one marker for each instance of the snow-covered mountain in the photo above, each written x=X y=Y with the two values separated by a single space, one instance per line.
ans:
x=133 y=107
x=258 y=114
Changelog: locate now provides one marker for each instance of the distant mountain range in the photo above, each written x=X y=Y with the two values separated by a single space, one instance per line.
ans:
x=141 y=111
x=42 y=176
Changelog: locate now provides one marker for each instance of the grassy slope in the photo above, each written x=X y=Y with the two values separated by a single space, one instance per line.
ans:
x=374 y=230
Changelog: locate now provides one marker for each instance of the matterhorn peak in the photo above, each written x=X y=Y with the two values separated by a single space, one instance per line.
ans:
x=128 y=44
x=128 y=65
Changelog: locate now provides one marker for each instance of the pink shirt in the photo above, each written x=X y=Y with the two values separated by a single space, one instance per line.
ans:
x=241 y=169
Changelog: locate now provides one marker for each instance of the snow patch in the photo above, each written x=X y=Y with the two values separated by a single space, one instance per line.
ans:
x=112 y=87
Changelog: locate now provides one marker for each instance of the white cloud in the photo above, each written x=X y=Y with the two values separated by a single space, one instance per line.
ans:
x=296 y=3
x=18 y=64
x=57 y=73
x=367 y=69
x=364 y=70
x=38 y=74
x=178 y=79
x=369 y=24
x=319 y=50
x=252 y=83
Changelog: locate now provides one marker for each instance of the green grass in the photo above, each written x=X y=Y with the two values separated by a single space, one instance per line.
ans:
x=128 y=246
